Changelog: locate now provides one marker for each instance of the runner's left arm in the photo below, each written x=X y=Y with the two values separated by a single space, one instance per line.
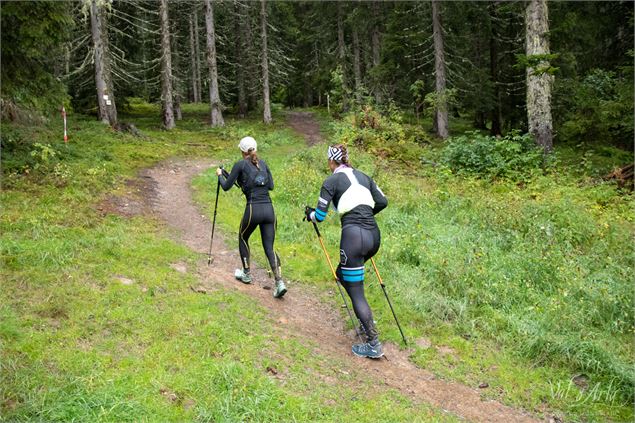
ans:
x=378 y=197
x=270 y=184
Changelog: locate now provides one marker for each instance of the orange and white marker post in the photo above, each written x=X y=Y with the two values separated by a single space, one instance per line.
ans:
x=64 y=117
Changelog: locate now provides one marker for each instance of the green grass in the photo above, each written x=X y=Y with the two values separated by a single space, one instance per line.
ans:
x=532 y=283
x=79 y=344
x=522 y=287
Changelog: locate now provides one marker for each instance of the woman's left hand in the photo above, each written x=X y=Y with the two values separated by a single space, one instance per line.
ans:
x=219 y=171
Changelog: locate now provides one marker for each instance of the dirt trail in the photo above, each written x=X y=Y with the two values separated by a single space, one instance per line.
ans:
x=305 y=124
x=303 y=315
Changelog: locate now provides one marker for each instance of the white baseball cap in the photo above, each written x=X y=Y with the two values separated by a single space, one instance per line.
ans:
x=247 y=143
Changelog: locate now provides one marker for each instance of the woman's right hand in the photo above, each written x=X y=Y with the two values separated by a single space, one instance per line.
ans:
x=219 y=171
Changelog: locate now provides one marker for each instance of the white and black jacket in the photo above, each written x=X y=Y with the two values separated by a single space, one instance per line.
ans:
x=355 y=196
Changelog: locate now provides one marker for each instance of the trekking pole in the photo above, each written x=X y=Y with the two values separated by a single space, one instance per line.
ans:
x=337 y=282
x=383 y=287
x=209 y=257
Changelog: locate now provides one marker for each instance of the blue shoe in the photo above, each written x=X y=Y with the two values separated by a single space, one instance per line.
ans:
x=368 y=350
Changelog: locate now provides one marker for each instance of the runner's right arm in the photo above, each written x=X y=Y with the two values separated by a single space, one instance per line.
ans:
x=326 y=195
x=227 y=183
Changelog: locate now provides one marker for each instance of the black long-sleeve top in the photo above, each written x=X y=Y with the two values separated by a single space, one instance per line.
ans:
x=255 y=183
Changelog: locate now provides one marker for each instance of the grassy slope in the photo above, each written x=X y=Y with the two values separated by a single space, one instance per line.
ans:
x=528 y=287
x=78 y=344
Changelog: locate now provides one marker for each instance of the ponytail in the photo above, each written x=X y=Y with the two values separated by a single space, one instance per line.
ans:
x=253 y=157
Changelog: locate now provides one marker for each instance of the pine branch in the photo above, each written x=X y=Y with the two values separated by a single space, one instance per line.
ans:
x=120 y=15
x=88 y=60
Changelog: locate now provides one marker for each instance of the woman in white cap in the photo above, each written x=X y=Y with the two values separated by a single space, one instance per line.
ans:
x=356 y=197
x=255 y=180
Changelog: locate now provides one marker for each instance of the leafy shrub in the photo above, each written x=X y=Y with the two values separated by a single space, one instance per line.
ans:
x=22 y=153
x=512 y=156
x=367 y=118
x=383 y=135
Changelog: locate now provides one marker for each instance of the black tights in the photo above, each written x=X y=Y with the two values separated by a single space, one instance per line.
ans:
x=355 y=291
x=258 y=215
x=357 y=245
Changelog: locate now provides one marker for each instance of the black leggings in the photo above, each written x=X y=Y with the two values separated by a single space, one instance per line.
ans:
x=260 y=214
x=357 y=245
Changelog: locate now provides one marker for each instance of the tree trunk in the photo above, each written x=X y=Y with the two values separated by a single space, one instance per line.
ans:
x=241 y=58
x=341 y=46
x=252 y=68
x=341 y=57
x=193 y=60
x=142 y=34
x=67 y=58
x=376 y=46
x=439 y=70
x=214 y=97
x=197 y=55
x=175 y=74
x=308 y=93
x=357 y=71
x=539 y=80
x=495 y=113
x=265 y=64
x=479 y=113
x=166 y=68
x=178 y=114
x=106 y=108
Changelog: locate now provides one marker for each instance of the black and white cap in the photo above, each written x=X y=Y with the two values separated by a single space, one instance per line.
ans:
x=335 y=153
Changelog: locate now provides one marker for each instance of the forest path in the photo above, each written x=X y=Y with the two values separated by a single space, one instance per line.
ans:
x=167 y=192
x=305 y=124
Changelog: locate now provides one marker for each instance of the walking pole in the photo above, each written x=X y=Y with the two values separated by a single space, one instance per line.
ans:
x=209 y=257
x=337 y=282
x=383 y=287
